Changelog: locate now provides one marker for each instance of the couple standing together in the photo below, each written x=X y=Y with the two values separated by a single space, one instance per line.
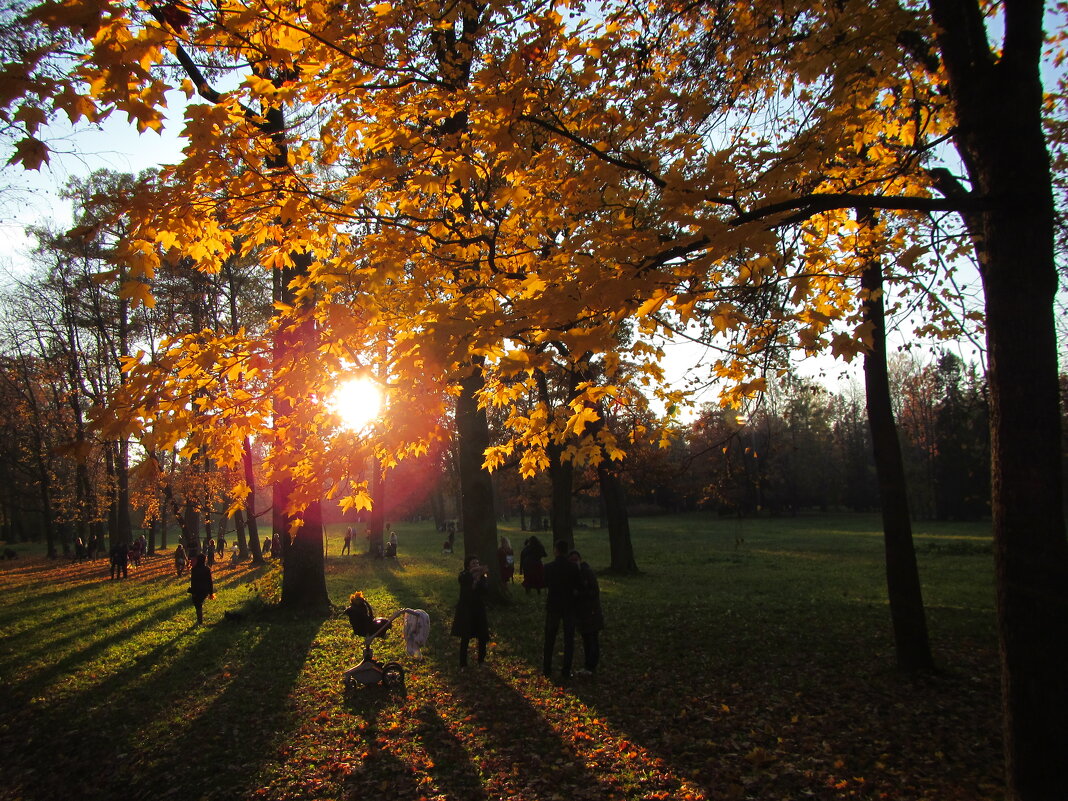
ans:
x=573 y=601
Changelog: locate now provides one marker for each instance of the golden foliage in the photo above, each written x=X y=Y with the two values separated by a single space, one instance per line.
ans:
x=503 y=181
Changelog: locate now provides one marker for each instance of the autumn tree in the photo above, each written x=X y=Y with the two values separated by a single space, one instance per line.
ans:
x=830 y=85
x=476 y=174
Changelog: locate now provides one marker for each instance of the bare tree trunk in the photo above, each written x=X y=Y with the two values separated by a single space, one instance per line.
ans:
x=613 y=497
x=561 y=479
x=998 y=100
x=239 y=535
x=250 y=509
x=902 y=573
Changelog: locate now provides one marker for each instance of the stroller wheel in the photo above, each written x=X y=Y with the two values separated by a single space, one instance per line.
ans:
x=393 y=675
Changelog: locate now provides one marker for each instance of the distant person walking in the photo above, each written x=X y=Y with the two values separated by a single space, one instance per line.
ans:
x=562 y=581
x=347 y=547
x=180 y=559
x=200 y=586
x=589 y=617
x=470 y=621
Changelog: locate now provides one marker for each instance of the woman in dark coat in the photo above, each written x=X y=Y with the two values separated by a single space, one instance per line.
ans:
x=200 y=585
x=530 y=564
x=589 y=616
x=470 y=621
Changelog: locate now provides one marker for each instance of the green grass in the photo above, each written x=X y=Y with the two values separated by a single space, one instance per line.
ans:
x=749 y=659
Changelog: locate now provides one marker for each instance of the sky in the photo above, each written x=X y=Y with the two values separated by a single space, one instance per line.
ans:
x=31 y=197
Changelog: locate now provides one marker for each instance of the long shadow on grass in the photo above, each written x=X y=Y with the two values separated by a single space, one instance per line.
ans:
x=244 y=722
x=784 y=700
x=453 y=773
x=21 y=693
x=507 y=737
x=66 y=595
x=213 y=709
x=378 y=765
x=517 y=743
x=107 y=617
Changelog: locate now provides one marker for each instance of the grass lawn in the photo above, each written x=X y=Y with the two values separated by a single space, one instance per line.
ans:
x=751 y=659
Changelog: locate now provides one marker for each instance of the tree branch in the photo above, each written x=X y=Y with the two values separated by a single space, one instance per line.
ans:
x=805 y=207
x=630 y=166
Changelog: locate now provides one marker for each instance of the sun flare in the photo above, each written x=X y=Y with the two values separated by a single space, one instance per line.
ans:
x=357 y=402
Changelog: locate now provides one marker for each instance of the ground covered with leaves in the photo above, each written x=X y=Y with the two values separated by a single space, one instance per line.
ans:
x=748 y=660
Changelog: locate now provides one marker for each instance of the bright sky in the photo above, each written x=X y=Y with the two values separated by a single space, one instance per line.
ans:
x=30 y=197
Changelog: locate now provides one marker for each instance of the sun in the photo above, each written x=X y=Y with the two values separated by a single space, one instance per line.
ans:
x=357 y=402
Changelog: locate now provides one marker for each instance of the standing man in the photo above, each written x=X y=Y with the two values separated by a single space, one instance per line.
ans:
x=347 y=549
x=562 y=581
x=201 y=586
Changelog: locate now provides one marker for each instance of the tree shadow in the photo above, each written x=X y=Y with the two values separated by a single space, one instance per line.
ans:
x=188 y=696
x=783 y=705
x=73 y=661
x=497 y=736
x=103 y=619
x=377 y=766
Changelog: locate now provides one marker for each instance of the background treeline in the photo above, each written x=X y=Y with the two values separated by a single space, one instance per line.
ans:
x=809 y=447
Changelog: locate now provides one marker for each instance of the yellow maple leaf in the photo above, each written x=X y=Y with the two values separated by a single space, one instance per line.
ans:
x=576 y=424
x=139 y=293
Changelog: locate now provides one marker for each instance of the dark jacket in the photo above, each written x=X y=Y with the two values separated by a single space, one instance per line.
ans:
x=200 y=585
x=530 y=564
x=470 y=620
x=562 y=580
x=588 y=613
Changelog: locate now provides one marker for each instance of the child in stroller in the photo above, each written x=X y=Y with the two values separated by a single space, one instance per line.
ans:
x=366 y=625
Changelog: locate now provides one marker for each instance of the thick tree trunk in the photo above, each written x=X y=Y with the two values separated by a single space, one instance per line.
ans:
x=561 y=478
x=303 y=563
x=999 y=100
x=301 y=543
x=479 y=520
x=304 y=573
x=902 y=573
x=613 y=496
x=1030 y=553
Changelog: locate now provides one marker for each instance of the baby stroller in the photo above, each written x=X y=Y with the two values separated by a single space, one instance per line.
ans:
x=364 y=624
